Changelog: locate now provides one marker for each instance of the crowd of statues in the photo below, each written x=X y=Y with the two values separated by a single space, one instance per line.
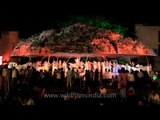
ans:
x=103 y=67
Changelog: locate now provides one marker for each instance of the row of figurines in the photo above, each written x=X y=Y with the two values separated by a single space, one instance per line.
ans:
x=104 y=67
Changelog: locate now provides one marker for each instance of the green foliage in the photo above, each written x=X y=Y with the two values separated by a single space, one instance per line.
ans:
x=98 y=22
x=119 y=29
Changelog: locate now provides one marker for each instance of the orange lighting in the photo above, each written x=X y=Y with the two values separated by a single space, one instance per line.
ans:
x=6 y=57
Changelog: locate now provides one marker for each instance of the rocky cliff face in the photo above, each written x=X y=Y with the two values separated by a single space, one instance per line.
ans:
x=80 y=39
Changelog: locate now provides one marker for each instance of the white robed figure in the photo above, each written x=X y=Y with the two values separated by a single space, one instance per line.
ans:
x=95 y=65
x=54 y=66
x=77 y=62
x=60 y=64
x=65 y=68
x=46 y=66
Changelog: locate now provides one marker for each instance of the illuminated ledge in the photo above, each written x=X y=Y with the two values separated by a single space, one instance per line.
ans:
x=75 y=55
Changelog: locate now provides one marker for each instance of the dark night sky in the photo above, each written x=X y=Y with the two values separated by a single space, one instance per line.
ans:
x=30 y=18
